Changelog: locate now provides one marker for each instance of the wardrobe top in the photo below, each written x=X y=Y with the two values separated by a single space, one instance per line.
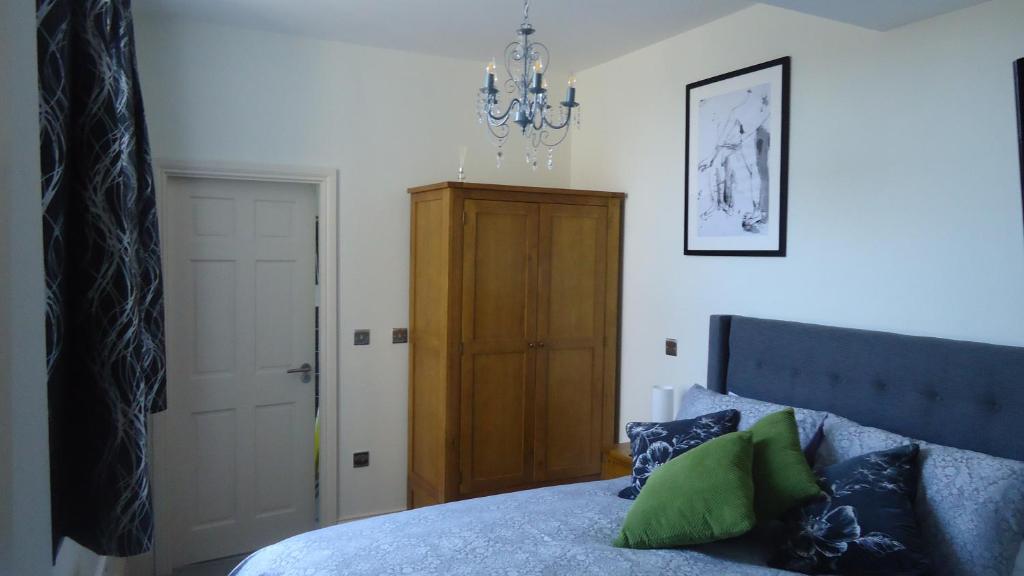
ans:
x=507 y=188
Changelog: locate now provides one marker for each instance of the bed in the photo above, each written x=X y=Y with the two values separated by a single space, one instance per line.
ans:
x=961 y=394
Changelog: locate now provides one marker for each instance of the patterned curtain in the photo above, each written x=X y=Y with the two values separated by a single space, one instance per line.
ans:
x=104 y=316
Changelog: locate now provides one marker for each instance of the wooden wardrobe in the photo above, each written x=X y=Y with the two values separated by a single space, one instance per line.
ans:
x=514 y=337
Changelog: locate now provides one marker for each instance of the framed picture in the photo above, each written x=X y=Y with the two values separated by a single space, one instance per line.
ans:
x=1018 y=68
x=737 y=132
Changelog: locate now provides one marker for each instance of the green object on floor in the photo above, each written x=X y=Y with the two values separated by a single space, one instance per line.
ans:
x=704 y=495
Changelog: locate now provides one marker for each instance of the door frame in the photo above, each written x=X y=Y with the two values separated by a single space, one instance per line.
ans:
x=325 y=181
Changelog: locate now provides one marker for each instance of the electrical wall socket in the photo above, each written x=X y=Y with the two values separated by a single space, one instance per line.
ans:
x=362 y=338
x=399 y=335
x=360 y=459
x=670 y=347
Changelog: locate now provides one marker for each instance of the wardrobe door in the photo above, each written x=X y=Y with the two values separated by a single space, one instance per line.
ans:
x=499 y=303
x=571 y=340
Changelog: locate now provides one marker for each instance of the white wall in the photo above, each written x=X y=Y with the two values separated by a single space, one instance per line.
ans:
x=24 y=465
x=387 y=120
x=904 y=195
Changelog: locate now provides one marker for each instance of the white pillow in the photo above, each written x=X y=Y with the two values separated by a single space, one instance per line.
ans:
x=698 y=401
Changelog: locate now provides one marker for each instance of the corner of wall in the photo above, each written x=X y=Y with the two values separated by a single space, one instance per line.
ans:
x=24 y=462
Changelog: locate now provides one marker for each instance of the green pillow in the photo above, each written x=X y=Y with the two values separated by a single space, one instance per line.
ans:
x=703 y=495
x=782 y=477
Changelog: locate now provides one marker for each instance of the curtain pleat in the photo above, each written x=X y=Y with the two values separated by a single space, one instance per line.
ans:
x=104 y=313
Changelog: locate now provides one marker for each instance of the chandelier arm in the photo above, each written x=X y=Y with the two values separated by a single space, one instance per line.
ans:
x=564 y=133
x=546 y=59
x=514 y=52
x=499 y=137
x=502 y=118
x=564 y=123
x=539 y=119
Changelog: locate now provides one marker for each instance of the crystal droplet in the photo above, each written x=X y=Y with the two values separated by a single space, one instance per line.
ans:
x=498 y=155
x=551 y=158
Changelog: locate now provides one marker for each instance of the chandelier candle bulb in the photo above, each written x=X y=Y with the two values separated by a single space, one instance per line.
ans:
x=489 y=78
x=488 y=88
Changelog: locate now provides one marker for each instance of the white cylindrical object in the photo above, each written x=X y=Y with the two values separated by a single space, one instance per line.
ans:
x=662 y=403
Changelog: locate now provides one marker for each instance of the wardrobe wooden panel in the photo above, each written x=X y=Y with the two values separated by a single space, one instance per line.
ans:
x=568 y=400
x=496 y=424
x=499 y=271
x=571 y=335
x=499 y=304
x=428 y=377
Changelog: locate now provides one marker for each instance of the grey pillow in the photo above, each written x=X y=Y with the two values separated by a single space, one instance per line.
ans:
x=698 y=401
x=970 y=505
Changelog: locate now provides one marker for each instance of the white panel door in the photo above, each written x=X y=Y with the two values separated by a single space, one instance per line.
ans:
x=240 y=313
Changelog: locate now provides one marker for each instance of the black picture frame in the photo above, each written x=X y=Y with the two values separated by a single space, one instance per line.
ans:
x=783 y=168
x=1018 y=68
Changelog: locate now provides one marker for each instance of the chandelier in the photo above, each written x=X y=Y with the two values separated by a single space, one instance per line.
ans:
x=528 y=106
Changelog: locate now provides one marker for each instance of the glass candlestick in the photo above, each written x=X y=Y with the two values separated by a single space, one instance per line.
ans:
x=462 y=163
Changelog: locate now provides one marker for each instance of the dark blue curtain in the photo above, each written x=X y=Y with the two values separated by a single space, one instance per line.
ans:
x=104 y=316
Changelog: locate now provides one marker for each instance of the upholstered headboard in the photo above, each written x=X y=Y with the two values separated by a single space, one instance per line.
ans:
x=961 y=394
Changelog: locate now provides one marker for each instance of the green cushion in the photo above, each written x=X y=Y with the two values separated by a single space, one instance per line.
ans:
x=704 y=495
x=782 y=477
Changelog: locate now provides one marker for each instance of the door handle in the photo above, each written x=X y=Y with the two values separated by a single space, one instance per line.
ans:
x=305 y=370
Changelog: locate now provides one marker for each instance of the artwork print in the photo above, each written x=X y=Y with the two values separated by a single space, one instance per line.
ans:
x=736 y=162
x=733 y=163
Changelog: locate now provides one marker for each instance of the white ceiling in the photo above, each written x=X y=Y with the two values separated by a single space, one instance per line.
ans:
x=875 y=14
x=579 y=33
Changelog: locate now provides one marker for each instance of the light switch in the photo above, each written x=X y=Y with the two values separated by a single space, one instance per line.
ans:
x=362 y=338
x=670 y=347
x=399 y=335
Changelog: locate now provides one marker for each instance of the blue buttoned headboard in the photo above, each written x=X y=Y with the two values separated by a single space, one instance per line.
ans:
x=961 y=394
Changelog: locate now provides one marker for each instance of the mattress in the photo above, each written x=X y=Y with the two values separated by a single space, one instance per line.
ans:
x=548 y=531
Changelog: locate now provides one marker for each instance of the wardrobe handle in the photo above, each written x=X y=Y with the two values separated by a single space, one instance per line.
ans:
x=541 y=344
x=531 y=344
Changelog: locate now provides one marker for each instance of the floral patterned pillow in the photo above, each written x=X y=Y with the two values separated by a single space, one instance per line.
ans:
x=864 y=524
x=655 y=443
x=970 y=505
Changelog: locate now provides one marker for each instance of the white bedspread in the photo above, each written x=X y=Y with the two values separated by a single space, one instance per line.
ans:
x=549 y=531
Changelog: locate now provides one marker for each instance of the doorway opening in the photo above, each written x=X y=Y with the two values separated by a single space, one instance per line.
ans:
x=247 y=452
